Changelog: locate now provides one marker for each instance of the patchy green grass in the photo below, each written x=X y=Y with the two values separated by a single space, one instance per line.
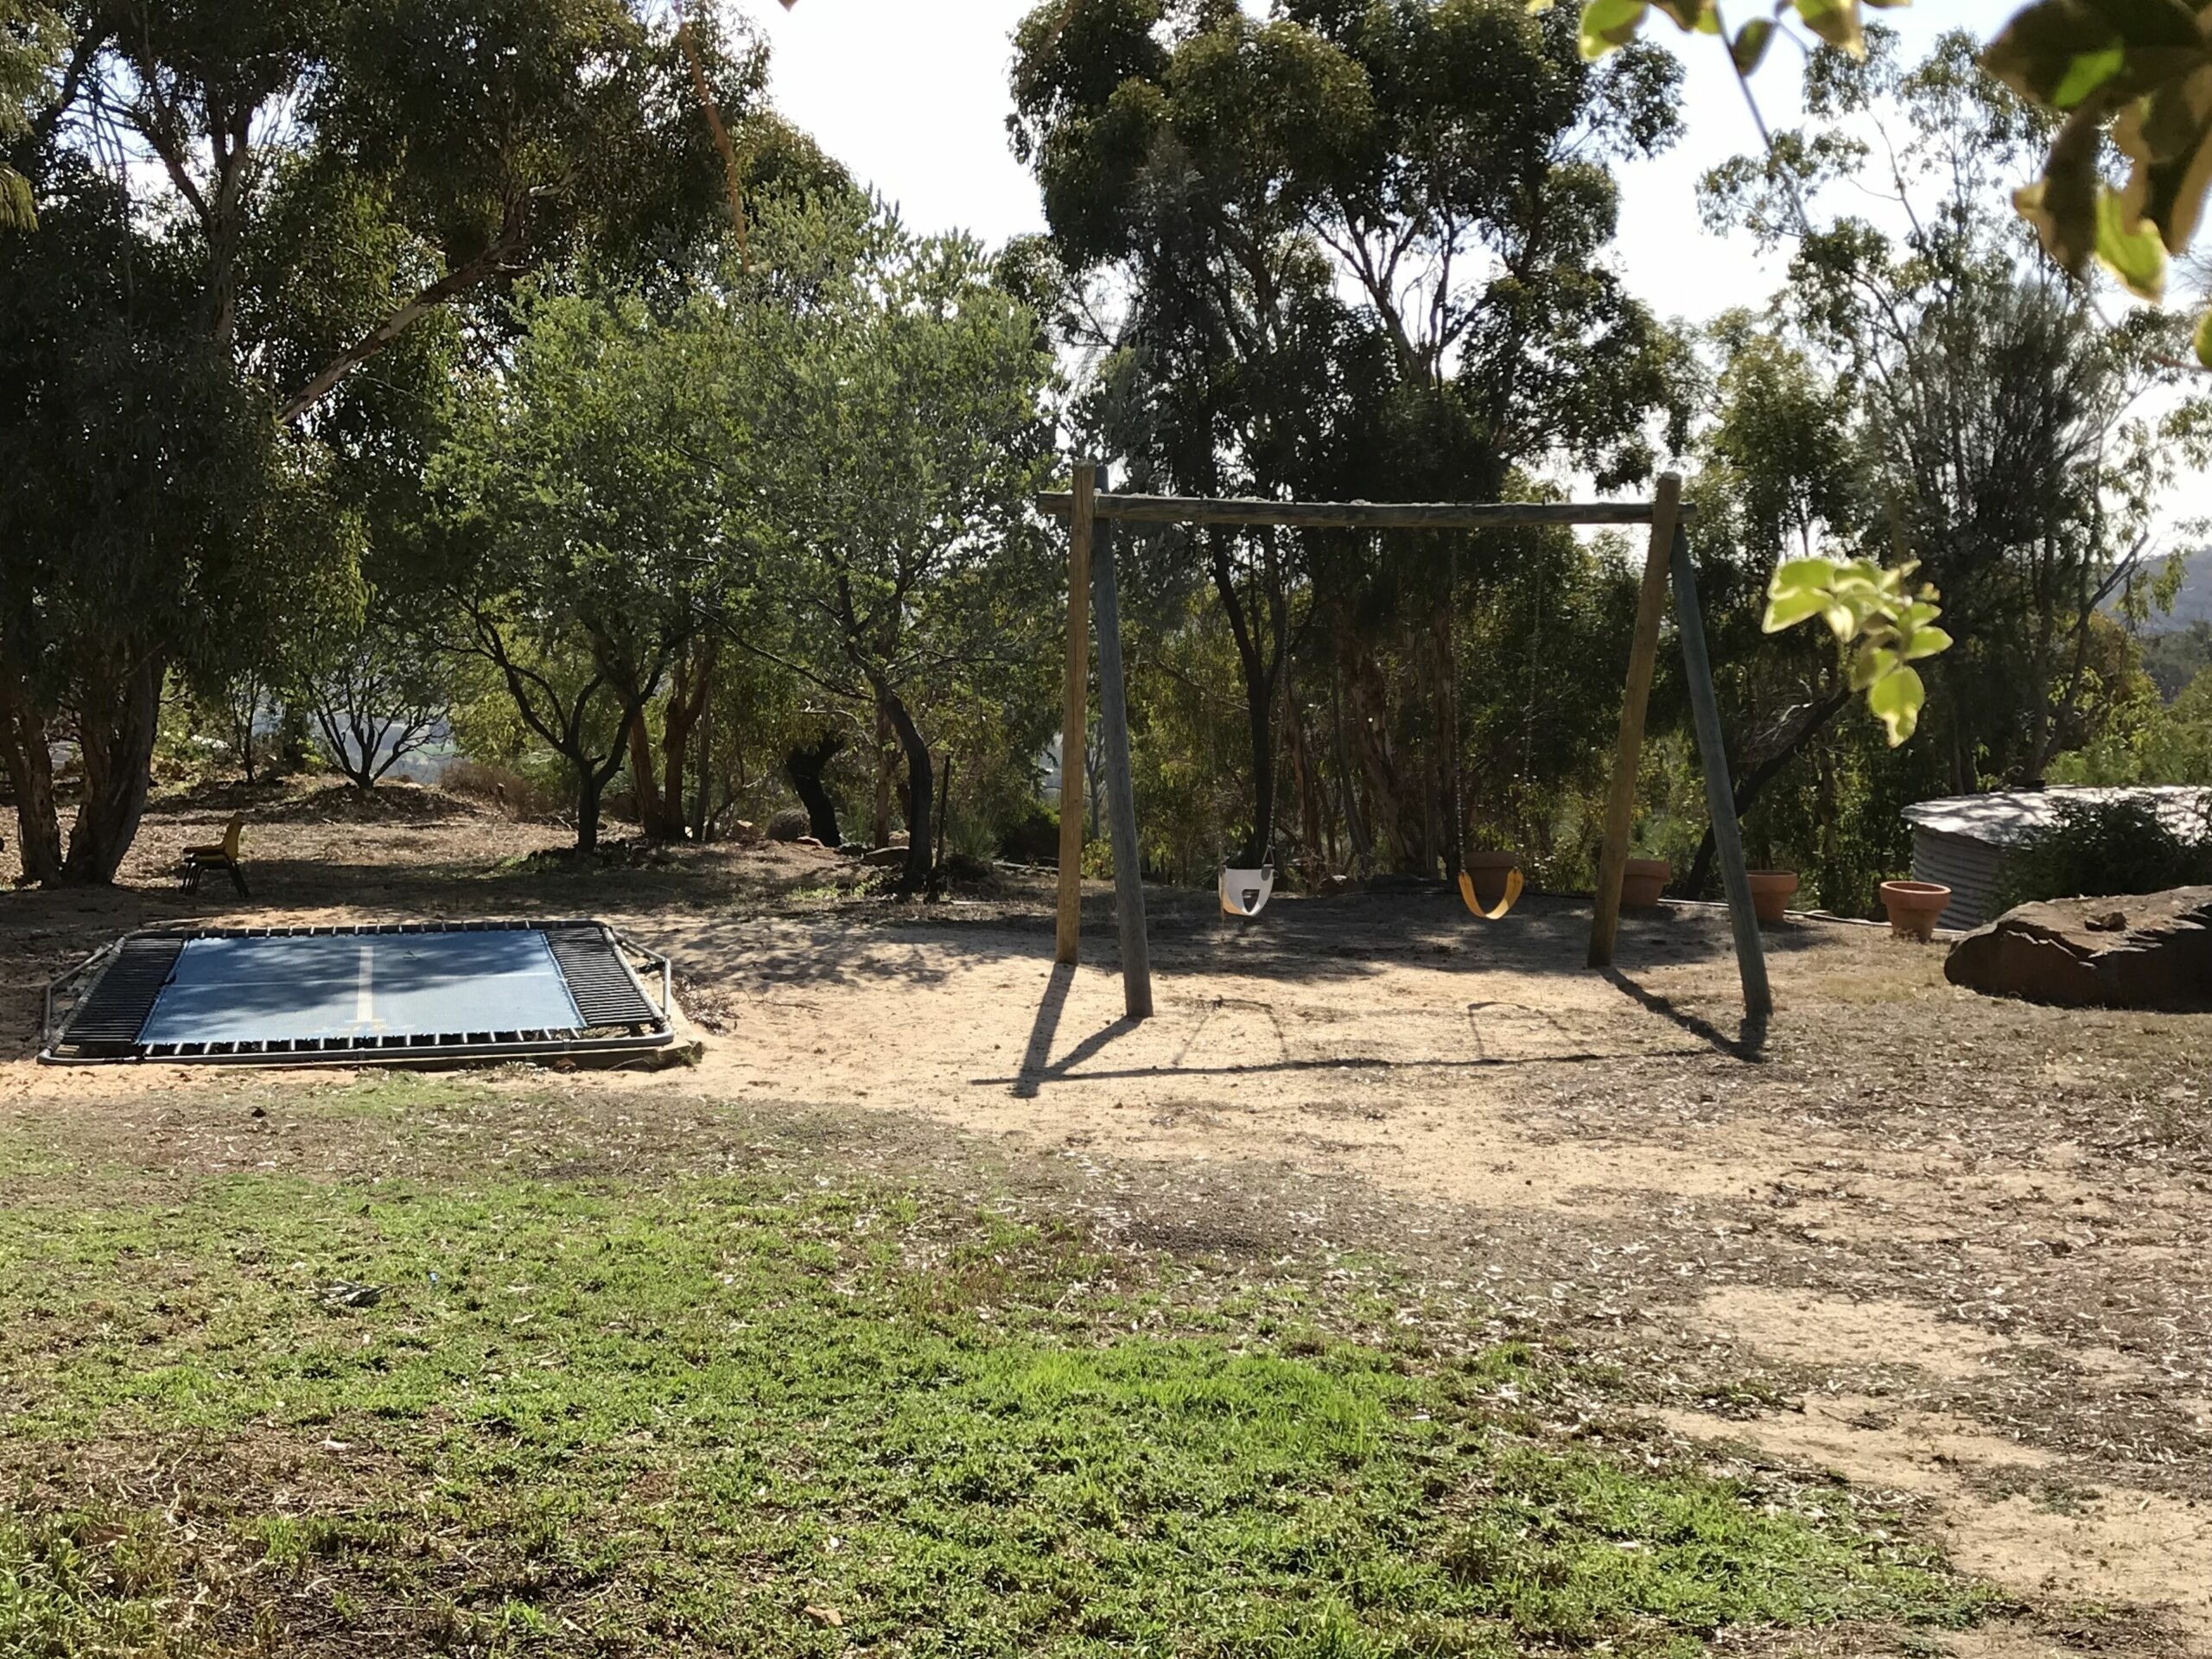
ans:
x=785 y=1412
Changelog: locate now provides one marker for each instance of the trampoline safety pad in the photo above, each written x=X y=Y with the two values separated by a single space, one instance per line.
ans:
x=402 y=993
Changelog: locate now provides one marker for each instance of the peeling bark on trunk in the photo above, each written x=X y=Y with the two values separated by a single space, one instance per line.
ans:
x=115 y=727
x=915 y=877
x=26 y=750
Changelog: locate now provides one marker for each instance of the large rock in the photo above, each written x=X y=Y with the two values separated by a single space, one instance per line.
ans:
x=2145 y=950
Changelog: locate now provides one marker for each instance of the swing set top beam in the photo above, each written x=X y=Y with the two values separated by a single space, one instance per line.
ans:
x=1359 y=515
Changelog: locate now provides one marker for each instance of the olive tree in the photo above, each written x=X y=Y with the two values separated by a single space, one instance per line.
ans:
x=882 y=429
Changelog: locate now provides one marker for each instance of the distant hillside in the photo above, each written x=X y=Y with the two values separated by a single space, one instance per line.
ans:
x=2193 y=603
x=2178 y=643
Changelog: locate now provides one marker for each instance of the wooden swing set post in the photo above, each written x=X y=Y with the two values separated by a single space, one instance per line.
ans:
x=1719 y=793
x=1628 y=753
x=1073 y=716
x=1121 y=787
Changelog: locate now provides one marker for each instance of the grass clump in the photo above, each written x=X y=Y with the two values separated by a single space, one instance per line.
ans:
x=801 y=1414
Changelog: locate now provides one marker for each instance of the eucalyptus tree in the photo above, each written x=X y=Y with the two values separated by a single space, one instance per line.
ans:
x=1362 y=246
x=2018 y=440
x=151 y=517
x=240 y=206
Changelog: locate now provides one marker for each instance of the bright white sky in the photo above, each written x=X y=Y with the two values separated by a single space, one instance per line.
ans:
x=912 y=96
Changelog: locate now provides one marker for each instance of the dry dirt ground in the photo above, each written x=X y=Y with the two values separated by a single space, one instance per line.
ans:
x=1950 y=1248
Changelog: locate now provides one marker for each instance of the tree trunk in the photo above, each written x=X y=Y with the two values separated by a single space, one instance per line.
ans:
x=590 y=785
x=687 y=708
x=1309 y=786
x=1451 y=809
x=660 y=785
x=680 y=717
x=880 y=831
x=919 y=782
x=27 y=751
x=1362 y=849
x=703 y=803
x=805 y=766
x=943 y=819
x=653 y=812
x=115 y=731
x=1259 y=701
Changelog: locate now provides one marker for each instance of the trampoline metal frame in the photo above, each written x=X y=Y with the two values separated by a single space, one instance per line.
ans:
x=442 y=1048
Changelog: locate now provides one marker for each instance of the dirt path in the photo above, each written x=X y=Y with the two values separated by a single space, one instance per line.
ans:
x=1944 y=1246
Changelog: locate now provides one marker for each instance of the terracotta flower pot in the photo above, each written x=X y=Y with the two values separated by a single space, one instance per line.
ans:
x=1771 y=891
x=1642 y=881
x=1914 y=906
x=1488 y=871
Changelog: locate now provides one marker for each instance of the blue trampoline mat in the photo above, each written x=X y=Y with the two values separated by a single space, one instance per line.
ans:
x=304 y=987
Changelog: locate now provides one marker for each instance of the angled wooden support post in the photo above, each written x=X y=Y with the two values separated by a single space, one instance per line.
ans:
x=1719 y=795
x=1643 y=654
x=1120 y=796
x=1073 y=721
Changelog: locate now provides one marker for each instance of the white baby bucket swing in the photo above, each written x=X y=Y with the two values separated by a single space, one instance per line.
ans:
x=1246 y=892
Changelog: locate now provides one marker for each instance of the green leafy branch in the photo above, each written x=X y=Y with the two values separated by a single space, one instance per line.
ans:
x=1607 y=24
x=2137 y=71
x=1873 y=615
x=1884 y=626
x=2140 y=69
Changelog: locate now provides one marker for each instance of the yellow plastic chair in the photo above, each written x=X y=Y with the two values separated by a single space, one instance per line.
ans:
x=219 y=855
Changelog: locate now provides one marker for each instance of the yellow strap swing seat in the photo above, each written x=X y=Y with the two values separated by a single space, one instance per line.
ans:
x=1496 y=912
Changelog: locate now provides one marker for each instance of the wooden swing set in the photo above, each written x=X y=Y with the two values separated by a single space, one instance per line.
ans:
x=1667 y=562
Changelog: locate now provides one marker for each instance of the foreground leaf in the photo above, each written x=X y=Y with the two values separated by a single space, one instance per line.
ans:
x=1610 y=24
x=2062 y=204
x=2060 y=53
x=2130 y=247
x=1896 y=699
x=1750 y=43
x=1835 y=21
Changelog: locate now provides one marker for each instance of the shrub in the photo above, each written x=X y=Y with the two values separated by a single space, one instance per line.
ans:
x=521 y=795
x=2092 y=849
x=1035 y=838
x=789 y=823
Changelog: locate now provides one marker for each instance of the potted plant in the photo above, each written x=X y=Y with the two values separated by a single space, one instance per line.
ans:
x=1488 y=871
x=1642 y=880
x=1914 y=906
x=1771 y=891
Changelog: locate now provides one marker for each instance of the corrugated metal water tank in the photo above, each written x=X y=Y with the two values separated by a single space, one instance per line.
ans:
x=1960 y=841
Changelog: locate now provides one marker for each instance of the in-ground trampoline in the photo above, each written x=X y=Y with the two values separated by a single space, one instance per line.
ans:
x=403 y=993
